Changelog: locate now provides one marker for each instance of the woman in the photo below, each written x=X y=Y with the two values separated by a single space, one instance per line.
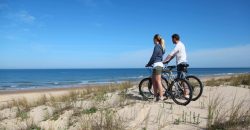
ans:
x=156 y=62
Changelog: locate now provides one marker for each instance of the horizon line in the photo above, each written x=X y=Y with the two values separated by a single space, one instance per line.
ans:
x=115 y=68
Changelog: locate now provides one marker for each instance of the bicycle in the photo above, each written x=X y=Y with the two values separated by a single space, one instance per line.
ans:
x=194 y=81
x=176 y=88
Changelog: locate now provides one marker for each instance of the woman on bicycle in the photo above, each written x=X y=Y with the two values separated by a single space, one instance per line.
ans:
x=156 y=62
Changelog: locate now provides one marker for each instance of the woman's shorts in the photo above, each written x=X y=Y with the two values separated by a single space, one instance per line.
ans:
x=157 y=70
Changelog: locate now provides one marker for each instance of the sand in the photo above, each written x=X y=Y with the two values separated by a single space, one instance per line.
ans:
x=134 y=113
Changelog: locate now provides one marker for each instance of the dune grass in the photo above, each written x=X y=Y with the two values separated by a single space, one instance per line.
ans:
x=236 y=117
x=109 y=119
x=243 y=79
x=73 y=95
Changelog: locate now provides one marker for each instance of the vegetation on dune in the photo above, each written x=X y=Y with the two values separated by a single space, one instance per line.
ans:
x=74 y=95
x=107 y=118
x=236 y=117
x=243 y=79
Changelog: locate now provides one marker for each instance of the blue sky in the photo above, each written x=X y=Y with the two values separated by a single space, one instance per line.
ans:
x=118 y=33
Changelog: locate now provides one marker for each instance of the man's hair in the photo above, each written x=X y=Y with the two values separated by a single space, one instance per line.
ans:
x=176 y=36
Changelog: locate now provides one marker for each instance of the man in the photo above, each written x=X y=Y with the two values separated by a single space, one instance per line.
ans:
x=181 y=57
x=179 y=51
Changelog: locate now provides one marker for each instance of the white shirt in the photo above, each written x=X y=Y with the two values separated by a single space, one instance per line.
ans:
x=180 y=53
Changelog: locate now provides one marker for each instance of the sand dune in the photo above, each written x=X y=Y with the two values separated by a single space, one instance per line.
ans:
x=124 y=109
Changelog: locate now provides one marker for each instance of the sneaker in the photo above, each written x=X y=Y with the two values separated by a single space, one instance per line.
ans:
x=162 y=98
x=187 y=96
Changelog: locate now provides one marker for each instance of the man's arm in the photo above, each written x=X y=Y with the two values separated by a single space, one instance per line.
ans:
x=171 y=55
x=168 y=59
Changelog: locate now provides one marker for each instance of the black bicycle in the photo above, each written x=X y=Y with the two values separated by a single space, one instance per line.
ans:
x=176 y=88
x=194 y=81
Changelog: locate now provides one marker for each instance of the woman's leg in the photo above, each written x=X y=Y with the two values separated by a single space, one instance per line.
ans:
x=155 y=86
x=159 y=85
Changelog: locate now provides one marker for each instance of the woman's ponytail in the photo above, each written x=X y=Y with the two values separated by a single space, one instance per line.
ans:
x=162 y=42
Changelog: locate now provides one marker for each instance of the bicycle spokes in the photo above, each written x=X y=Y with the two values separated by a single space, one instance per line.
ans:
x=180 y=90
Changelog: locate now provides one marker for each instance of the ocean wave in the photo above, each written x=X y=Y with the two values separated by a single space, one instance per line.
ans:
x=136 y=77
x=62 y=82
x=6 y=87
x=22 y=82
x=99 y=82
x=133 y=77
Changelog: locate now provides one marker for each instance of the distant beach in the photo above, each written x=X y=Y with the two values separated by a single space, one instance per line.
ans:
x=26 y=79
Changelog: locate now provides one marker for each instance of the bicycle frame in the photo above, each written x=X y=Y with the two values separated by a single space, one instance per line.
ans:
x=168 y=74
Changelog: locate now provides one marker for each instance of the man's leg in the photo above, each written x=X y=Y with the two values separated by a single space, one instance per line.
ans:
x=181 y=74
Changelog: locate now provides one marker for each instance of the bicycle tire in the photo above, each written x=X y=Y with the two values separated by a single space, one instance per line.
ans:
x=194 y=97
x=148 y=83
x=173 y=96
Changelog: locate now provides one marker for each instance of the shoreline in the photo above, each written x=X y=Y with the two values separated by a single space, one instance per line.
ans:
x=83 y=86
x=58 y=89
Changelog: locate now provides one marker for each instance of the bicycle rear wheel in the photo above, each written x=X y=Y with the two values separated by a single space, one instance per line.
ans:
x=145 y=87
x=196 y=85
x=178 y=89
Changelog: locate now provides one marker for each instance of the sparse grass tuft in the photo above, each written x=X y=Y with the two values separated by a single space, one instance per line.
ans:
x=106 y=119
x=32 y=126
x=23 y=114
x=109 y=120
x=23 y=102
x=90 y=110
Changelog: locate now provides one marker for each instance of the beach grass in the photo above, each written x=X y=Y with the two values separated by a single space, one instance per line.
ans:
x=235 y=117
x=73 y=95
x=108 y=119
x=243 y=79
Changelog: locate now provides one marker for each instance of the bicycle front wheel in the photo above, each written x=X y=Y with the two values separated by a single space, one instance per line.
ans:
x=196 y=85
x=181 y=91
x=145 y=88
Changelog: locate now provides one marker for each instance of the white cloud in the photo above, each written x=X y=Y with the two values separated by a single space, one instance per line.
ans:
x=18 y=17
x=134 y=59
x=237 y=56
x=130 y=59
x=25 y=17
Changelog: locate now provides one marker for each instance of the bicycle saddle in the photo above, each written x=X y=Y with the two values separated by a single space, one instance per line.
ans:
x=171 y=67
x=184 y=65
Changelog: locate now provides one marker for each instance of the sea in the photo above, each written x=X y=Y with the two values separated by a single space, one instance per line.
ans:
x=19 y=79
